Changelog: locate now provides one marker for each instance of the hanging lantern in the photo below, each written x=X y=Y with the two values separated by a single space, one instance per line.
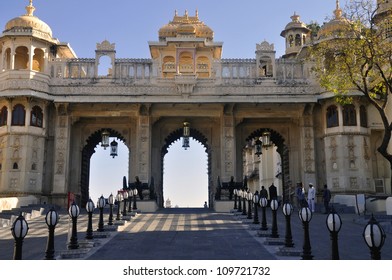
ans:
x=258 y=146
x=113 y=148
x=185 y=135
x=186 y=130
x=266 y=139
x=105 y=139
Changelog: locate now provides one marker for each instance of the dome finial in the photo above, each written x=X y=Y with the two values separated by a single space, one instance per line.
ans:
x=338 y=12
x=30 y=9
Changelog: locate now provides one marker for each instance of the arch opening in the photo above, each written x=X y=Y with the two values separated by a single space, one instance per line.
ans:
x=185 y=178
x=271 y=167
x=100 y=173
x=186 y=173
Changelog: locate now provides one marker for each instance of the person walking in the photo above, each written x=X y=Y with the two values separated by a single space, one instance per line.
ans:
x=311 y=197
x=326 y=198
x=299 y=193
x=273 y=192
x=263 y=193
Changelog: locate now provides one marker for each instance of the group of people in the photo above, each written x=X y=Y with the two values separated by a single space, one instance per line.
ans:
x=304 y=199
x=310 y=199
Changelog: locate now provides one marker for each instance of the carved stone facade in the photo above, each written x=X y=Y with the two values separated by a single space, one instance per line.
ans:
x=54 y=107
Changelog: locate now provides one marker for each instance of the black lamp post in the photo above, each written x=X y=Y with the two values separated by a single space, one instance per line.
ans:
x=125 y=198
x=101 y=205
x=74 y=212
x=263 y=203
x=119 y=199
x=334 y=223
x=130 y=198
x=274 y=207
x=111 y=202
x=305 y=216
x=135 y=193
x=239 y=194
x=287 y=211
x=374 y=236
x=19 y=231
x=235 y=198
x=244 y=202
x=249 y=197
x=90 y=210
x=51 y=220
x=255 y=206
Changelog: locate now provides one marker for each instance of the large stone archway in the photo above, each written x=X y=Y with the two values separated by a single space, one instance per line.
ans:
x=173 y=137
x=88 y=150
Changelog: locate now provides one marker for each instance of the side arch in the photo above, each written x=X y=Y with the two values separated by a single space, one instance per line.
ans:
x=88 y=150
x=283 y=151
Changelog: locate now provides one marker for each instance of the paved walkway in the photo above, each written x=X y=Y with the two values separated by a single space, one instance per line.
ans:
x=194 y=234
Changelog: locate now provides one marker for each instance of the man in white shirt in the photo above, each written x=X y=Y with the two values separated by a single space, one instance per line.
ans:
x=311 y=197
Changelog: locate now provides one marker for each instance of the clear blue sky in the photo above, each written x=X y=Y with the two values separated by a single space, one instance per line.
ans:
x=240 y=25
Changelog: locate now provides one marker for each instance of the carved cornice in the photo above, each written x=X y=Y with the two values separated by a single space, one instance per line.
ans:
x=185 y=83
x=24 y=84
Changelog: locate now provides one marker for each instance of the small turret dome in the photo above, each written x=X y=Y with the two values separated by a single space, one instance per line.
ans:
x=338 y=24
x=29 y=21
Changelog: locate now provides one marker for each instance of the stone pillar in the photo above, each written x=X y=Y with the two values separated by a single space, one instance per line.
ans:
x=143 y=150
x=61 y=151
x=307 y=133
x=228 y=154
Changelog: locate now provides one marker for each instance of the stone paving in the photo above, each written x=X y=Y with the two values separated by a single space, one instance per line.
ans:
x=192 y=234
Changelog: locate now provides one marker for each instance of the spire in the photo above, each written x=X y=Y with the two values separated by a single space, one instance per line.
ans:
x=30 y=9
x=338 y=11
x=295 y=17
x=197 y=14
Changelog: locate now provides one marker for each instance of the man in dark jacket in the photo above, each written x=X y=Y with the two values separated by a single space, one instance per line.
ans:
x=273 y=193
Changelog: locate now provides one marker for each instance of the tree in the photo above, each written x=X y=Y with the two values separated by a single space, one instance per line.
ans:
x=355 y=56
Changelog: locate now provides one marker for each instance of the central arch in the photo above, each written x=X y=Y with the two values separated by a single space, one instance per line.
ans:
x=198 y=137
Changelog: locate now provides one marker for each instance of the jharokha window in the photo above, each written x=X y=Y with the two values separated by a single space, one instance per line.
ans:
x=3 y=116
x=332 y=116
x=36 y=117
x=349 y=115
x=18 y=115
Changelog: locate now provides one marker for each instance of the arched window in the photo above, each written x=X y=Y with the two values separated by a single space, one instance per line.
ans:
x=21 y=58
x=298 y=40
x=38 y=60
x=3 y=116
x=349 y=115
x=36 y=116
x=291 y=41
x=363 y=116
x=18 y=115
x=332 y=116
